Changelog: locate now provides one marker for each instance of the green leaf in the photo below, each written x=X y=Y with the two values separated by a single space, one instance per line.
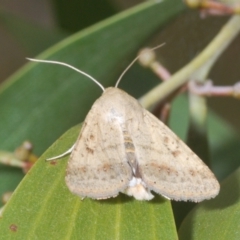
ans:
x=216 y=219
x=77 y=14
x=43 y=208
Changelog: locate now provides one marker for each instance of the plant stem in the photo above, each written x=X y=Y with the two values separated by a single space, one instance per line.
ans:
x=209 y=54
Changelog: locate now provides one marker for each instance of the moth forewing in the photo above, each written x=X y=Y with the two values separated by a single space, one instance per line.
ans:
x=123 y=148
x=98 y=166
x=172 y=169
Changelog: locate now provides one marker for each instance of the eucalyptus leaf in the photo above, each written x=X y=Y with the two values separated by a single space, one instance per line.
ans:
x=43 y=208
x=216 y=219
x=75 y=15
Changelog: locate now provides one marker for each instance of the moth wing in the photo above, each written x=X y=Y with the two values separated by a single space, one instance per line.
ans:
x=168 y=166
x=98 y=166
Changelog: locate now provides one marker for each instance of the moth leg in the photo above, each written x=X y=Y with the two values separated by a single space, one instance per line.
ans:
x=63 y=154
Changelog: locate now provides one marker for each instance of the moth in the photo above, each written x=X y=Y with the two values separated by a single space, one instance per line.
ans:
x=122 y=147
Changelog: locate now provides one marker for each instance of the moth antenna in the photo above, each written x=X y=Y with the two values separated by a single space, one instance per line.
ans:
x=62 y=155
x=135 y=59
x=69 y=66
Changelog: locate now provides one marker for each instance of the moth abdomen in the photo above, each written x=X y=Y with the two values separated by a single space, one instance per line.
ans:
x=130 y=151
